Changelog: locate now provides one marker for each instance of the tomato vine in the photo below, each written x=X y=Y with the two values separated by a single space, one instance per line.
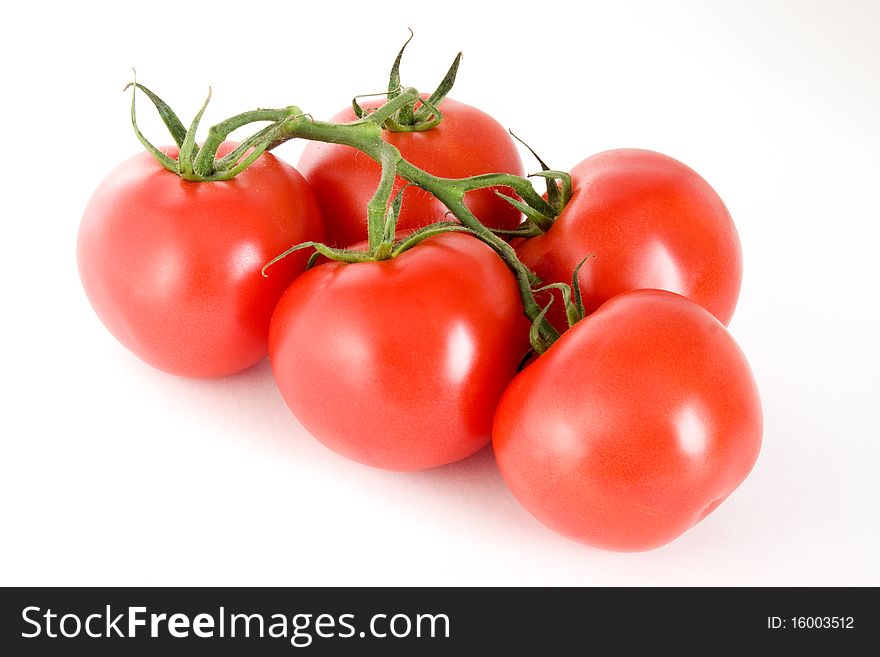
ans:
x=365 y=134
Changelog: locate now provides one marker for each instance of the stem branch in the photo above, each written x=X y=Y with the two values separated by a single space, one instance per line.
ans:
x=366 y=135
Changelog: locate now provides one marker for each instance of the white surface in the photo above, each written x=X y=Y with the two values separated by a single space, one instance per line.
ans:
x=113 y=473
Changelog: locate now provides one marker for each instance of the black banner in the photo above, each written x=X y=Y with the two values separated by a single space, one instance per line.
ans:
x=436 y=621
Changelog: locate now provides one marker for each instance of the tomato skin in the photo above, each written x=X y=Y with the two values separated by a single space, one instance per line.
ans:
x=467 y=142
x=650 y=222
x=633 y=426
x=172 y=268
x=399 y=364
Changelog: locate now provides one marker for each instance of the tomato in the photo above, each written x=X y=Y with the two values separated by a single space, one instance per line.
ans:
x=399 y=364
x=467 y=142
x=650 y=222
x=172 y=268
x=633 y=426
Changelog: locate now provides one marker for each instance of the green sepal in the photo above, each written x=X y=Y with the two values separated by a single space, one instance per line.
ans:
x=571 y=295
x=558 y=198
x=359 y=111
x=257 y=145
x=564 y=194
x=552 y=188
x=440 y=92
x=572 y=314
x=331 y=252
x=189 y=149
x=312 y=260
x=227 y=161
x=531 y=214
x=200 y=164
x=169 y=118
x=205 y=165
x=391 y=215
x=405 y=115
x=539 y=344
x=384 y=249
x=163 y=159
x=408 y=118
x=419 y=126
x=576 y=291
x=356 y=107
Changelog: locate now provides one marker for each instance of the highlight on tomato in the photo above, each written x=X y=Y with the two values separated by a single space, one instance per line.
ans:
x=636 y=424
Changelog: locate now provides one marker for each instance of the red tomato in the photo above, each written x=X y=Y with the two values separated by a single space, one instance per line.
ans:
x=467 y=142
x=172 y=267
x=633 y=426
x=399 y=363
x=650 y=222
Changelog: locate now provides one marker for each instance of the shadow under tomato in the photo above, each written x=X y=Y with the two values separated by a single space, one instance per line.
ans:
x=248 y=407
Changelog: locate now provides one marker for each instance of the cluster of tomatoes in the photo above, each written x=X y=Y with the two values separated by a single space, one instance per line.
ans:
x=636 y=423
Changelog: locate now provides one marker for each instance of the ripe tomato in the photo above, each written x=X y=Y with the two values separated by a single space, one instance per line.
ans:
x=650 y=222
x=633 y=426
x=399 y=363
x=172 y=267
x=467 y=142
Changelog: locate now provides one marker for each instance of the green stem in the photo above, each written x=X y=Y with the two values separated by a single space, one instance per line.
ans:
x=424 y=233
x=389 y=109
x=217 y=134
x=520 y=185
x=379 y=202
x=452 y=196
x=366 y=135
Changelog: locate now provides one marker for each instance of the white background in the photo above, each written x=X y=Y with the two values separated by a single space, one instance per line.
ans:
x=114 y=473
